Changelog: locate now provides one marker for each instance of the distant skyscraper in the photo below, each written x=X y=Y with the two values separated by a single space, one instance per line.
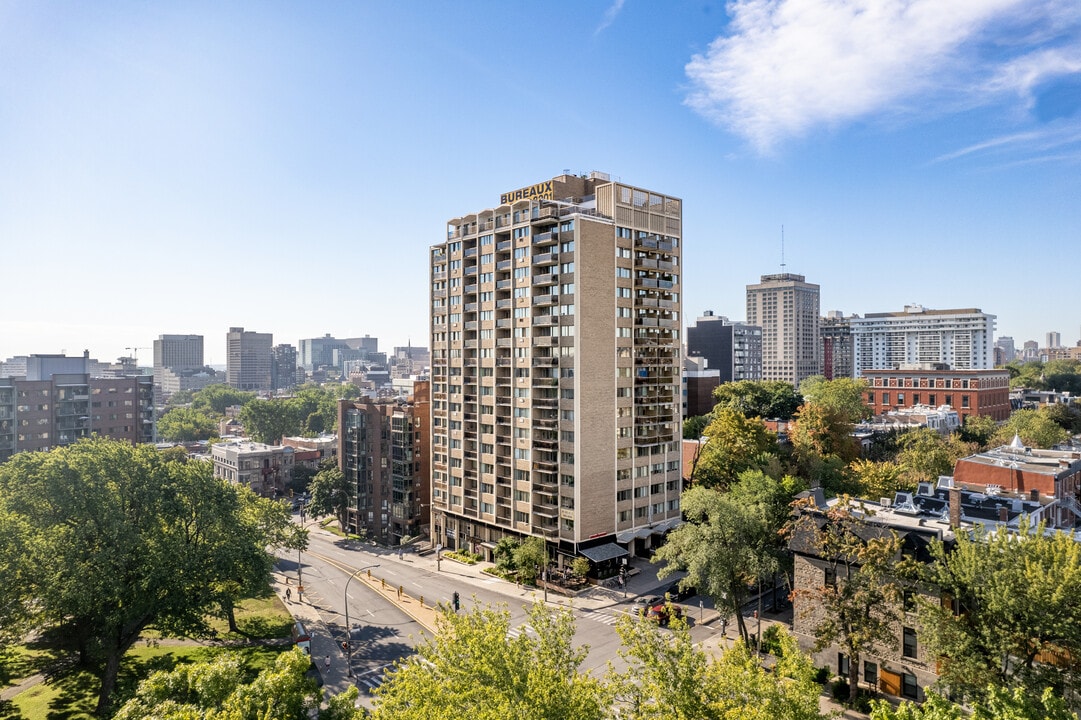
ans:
x=837 y=358
x=555 y=338
x=179 y=352
x=1006 y=347
x=1054 y=340
x=786 y=306
x=1031 y=350
x=961 y=339
x=283 y=367
x=248 y=358
x=734 y=349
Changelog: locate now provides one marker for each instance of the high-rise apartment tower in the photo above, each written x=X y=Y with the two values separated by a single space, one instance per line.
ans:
x=248 y=355
x=785 y=306
x=556 y=370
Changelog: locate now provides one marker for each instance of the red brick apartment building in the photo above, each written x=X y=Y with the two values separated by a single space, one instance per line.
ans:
x=969 y=392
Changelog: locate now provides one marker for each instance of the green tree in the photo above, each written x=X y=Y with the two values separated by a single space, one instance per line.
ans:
x=472 y=669
x=121 y=538
x=857 y=605
x=842 y=396
x=1066 y=416
x=183 y=424
x=978 y=430
x=217 y=398
x=1015 y=596
x=1035 y=427
x=332 y=494
x=223 y=689
x=695 y=427
x=530 y=558
x=998 y=703
x=822 y=432
x=268 y=421
x=504 y=553
x=669 y=678
x=17 y=604
x=728 y=542
x=734 y=443
x=768 y=399
x=926 y=454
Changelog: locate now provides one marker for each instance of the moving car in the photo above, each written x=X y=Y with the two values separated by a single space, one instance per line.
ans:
x=663 y=613
x=644 y=603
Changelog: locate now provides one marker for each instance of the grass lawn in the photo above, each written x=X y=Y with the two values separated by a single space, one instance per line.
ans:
x=71 y=692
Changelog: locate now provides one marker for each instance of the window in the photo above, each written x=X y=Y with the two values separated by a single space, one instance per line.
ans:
x=909 y=688
x=829 y=577
x=623 y=495
x=885 y=398
x=908 y=648
x=870 y=398
x=622 y=272
x=964 y=401
x=870 y=673
x=842 y=664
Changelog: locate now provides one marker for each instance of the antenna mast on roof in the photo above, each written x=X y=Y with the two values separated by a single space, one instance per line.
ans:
x=782 y=248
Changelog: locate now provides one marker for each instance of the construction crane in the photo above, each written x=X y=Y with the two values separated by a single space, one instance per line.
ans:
x=135 y=354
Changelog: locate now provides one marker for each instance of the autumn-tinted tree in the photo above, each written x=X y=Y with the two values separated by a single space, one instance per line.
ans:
x=121 y=538
x=734 y=443
x=729 y=542
x=472 y=668
x=878 y=479
x=1015 y=601
x=857 y=605
x=768 y=399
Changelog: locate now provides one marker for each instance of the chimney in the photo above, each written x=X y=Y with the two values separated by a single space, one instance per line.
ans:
x=1034 y=494
x=1003 y=514
x=955 y=507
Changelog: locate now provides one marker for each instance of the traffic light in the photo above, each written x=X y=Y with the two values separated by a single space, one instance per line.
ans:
x=456 y=602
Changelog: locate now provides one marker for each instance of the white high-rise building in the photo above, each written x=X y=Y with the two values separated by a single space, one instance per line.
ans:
x=962 y=339
x=555 y=367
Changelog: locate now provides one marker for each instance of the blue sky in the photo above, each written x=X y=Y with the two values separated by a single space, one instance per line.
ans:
x=187 y=167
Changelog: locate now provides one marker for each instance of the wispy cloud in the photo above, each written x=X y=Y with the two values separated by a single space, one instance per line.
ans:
x=610 y=16
x=786 y=67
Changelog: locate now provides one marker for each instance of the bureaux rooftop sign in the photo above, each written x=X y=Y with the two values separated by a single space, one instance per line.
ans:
x=540 y=191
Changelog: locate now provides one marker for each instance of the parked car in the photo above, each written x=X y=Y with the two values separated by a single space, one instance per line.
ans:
x=644 y=603
x=663 y=613
x=677 y=593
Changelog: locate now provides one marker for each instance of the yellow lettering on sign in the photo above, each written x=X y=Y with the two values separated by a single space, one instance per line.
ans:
x=540 y=191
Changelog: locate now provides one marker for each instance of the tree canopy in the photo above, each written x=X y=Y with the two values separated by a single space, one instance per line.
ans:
x=842 y=396
x=186 y=424
x=1037 y=428
x=730 y=540
x=1016 y=611
x=767 y=399
x=734 y=443
x=472 y=668
x=121 y=538
x=332 y=493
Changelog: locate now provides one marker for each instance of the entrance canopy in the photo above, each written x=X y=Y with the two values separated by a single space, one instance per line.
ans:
x=601 y=553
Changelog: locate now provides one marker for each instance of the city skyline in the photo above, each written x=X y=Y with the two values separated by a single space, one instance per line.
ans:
x=186 y=169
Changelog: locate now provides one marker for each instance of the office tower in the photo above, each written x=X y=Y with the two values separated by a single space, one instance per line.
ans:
x=837 y=354
x=182 y=354
x=785 y=306
x=556 y=370
x=331 y=352
x=283 y=367
x=248 y=359
x=1006 y=346
x=960 y=339
x=1031 y=350
x=384 y=448
x=734 y=349
x=1054 y=340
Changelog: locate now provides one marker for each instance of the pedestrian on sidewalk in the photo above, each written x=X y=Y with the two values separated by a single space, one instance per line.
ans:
x=288 y=594
x=326 y=663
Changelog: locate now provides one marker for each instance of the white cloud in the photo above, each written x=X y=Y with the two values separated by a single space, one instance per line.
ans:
x=609 y=16
x=788 y=66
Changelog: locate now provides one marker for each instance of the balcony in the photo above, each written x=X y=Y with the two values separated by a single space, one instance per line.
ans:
x=545 y=299
x=546 y=238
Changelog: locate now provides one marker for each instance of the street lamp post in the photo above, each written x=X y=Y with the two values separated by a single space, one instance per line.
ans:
x=348 y=627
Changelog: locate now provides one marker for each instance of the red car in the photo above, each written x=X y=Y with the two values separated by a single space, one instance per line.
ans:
x=663 y=613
